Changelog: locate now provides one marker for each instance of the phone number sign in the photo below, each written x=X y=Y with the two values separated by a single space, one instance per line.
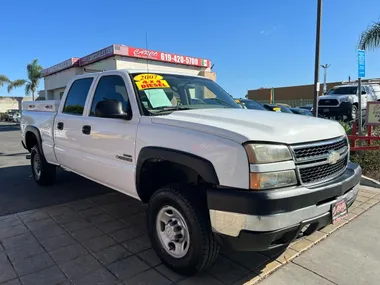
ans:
x=373 y=114
x=167 y=57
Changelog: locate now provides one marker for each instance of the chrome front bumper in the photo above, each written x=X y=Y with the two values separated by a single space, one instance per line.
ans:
x=231 y=224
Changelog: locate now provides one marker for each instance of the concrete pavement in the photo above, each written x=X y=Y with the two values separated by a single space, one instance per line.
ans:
x=349 y=256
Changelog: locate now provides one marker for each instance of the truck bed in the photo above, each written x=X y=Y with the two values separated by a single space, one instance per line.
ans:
x=41 y=114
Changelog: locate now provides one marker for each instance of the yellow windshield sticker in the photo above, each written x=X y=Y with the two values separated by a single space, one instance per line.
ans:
x=147 y=76
x=150 y=81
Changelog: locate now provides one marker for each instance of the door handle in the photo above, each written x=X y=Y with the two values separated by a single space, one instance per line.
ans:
x=86 y=129
x=60 y=126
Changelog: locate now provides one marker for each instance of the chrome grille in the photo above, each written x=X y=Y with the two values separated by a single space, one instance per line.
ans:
x=321 y=161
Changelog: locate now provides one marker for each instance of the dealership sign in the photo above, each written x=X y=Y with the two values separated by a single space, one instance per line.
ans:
x=126 y=51
x=167 y=57
x=373 y=113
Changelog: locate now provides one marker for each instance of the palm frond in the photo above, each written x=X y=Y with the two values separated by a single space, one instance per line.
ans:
x=16 y=84
x=28 y=88
x=34 y=70
x=370 y=38
x=3 y=79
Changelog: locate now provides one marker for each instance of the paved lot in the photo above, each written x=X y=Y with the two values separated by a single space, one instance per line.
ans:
x=77 y=232
x=18 y=190
x=349 y=256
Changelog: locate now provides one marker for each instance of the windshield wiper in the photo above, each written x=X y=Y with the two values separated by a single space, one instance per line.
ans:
x=169 y=109
x=221 y=101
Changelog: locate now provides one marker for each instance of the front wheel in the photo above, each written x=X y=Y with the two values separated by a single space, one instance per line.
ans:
x=180 y=231
x=354 y=113
x=43 y=172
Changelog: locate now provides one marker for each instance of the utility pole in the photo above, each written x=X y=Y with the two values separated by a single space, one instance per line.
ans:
x=316 y=66
x=325 y=66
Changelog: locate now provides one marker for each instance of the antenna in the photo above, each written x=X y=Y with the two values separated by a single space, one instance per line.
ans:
x=147 y=57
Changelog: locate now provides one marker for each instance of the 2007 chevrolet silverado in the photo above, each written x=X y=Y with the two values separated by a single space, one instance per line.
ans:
x=212 y=173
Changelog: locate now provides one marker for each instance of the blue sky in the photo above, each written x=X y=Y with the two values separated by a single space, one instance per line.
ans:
x=252 y=43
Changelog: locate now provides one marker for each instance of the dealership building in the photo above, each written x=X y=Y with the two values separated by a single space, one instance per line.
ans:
x=119 y=57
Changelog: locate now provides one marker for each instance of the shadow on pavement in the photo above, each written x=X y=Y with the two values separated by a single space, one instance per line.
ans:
x=9 y=127
x=19 y=192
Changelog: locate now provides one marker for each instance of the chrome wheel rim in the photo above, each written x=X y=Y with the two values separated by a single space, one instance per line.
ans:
x=173 y=232
x=37 y=165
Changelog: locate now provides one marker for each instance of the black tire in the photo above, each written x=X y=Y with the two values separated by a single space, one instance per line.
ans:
x=47 y=172
x=354 y=113
x=203 y=248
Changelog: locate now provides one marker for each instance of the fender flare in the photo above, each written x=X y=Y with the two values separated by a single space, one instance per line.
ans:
x=199 y=164
x=37 y=134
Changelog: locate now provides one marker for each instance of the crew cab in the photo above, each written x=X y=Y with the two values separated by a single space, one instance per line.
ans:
x=213 y=174
x=342 y=100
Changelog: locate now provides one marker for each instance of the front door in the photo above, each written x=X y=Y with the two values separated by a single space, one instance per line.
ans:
x=67 y=126
x=110 y=143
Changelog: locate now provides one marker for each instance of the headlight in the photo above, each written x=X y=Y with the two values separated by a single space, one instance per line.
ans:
x=270 y=180
x=345 y=99
x=267 y=153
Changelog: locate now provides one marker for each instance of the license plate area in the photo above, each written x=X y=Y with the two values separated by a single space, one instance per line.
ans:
x=326 y=110
x=339 y=211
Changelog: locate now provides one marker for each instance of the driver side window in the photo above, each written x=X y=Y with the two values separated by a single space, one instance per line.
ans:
x=111 y=87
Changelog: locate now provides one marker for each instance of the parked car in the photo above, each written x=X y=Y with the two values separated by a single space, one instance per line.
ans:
x=277 y=108
x=211 y=174
x=250 y=104
x=342 y=101
x=9 y=115
x=307 y=107
x=17 y=117
x=300 y=111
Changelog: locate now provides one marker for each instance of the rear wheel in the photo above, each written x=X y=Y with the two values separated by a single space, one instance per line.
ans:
x=43 y=172
x=180 y=231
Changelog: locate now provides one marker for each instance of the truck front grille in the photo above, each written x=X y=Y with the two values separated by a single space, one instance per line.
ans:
x=319 y=150
x=322 y=172
x=321 y=161
x=328 y=102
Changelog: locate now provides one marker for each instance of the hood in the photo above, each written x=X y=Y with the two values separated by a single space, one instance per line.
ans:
x=243 y=125
x=340 y=97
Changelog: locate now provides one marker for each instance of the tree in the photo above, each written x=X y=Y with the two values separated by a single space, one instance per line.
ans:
x=370 y=38
x=31 y=84
x=3 y=80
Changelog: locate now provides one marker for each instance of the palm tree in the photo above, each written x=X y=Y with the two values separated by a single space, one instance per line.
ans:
x=31 y=84
x=370 y=38
x=4 y=79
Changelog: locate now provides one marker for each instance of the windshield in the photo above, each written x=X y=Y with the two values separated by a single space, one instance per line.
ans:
x=170 y=92
x=376 y=87
x=250 y=104
x=342 y=90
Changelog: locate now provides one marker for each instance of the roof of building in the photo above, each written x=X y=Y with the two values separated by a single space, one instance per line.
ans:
x=122 y=50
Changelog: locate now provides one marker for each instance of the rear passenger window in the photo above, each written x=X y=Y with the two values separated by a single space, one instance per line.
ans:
x=76 y=98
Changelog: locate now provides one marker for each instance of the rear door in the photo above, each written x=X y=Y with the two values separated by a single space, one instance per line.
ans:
x=68 y=125
x=110 y=142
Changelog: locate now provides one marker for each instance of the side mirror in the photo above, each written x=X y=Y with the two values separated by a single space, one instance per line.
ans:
x=111 y=109
x=363 y=92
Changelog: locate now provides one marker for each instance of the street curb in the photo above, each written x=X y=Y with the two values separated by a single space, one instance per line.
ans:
x=366 y=181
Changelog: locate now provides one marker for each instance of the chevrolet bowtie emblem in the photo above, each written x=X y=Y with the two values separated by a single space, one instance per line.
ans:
x=333 y=157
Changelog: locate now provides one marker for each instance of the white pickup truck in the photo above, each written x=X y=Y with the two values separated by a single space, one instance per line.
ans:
x=212 y=173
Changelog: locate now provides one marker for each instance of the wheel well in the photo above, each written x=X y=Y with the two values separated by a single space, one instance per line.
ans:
x=157 y=173
x=30 y=140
